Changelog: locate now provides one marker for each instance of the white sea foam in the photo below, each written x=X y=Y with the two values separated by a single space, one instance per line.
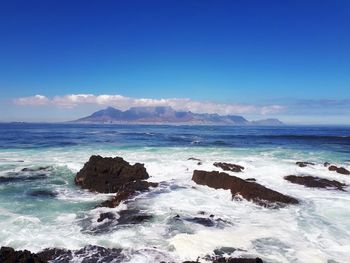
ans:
x=317 y=230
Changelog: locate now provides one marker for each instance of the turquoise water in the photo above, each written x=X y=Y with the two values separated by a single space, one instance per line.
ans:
x=317 y=230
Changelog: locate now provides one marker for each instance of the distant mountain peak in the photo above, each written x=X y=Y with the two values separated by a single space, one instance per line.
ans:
x=167 y=115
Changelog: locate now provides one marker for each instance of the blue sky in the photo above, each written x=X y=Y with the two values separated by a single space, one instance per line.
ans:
x=291 y=56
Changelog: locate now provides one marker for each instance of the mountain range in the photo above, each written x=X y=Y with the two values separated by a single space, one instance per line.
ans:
x=167 y=115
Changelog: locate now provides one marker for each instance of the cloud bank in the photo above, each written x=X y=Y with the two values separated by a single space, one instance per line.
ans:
x=123 y=103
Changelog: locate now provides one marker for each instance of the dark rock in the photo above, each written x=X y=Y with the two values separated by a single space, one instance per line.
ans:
x=339 y=170
x=194 y=159
x=57 y=254
x=238 y=260
x=229 y=167
x=132 y=217
x=219 y=257
x=304 y=164
x=311 y=181
x=88 y=254
x=108 y=175
x=248 y=190
x=15 y=177
x=202 y=221
x=108 y=215
x=224 y=250
x=9 y=255
x=43 y=193
x=45 y=168
x=326 y=164
x=127 y=191
x=110 y=222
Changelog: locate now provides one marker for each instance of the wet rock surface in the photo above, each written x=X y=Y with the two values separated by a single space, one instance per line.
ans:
x=133 y=216
x=56 y=255
x=304 y=164
x=127 y=191
x=219 y=259
x=230 y=167
x=108 y=222
x=93 y=254
x=311 y=181
x=106 y=216
x=9 y=255
x=339 y=170
x=249 y=190
x=108 y=175
x=224 y=250
x=208 y=221
x=88 y=254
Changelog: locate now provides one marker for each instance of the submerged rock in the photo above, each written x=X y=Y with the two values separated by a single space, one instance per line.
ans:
x=339 y=170
x=108 y=175
x=132 y=217
x=44 y=168
x=127 y=191
x=42 y=193
x=209 y=222
x=107 y=215
x=304 y=164
x=109 y=222
x=326 y=164
x=19 y=177
x=194 y=159
x=9 y=255
x=229 y=167
x=249 y=190
x=311 y=181
x=224 y=250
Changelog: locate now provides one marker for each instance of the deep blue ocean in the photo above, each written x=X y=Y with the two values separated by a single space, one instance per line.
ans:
x=64 y=216
x=26 y=135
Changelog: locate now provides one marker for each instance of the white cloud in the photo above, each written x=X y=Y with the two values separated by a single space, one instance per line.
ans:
x=33 y=100
x=123 y=103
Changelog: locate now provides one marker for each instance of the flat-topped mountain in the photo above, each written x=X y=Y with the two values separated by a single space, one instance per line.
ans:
x=167 y=115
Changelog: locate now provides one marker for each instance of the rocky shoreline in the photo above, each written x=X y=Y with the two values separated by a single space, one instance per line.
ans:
x=117 y=176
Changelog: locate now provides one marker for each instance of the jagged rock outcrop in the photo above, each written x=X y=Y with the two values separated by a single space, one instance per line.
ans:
x=9 y=255
x=311 y=181
x=113 y=175
x=229 y=167
x=251 y=191
x=87 y=254
x=339 y=170
x=108 y=175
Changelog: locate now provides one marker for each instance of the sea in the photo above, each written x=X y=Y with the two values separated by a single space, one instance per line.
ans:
x=41 y=207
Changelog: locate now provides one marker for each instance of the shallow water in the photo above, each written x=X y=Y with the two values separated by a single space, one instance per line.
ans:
x=317 y=230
